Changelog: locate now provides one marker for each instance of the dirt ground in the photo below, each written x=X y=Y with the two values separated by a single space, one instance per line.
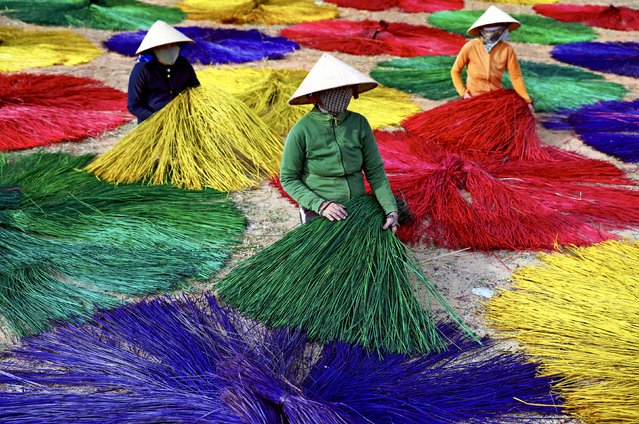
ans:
x=456 y=273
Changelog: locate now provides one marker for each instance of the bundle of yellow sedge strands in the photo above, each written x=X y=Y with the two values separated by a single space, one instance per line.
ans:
x=203 y=138
x=578 y=314
x=269 y=12
x=266 y=91
x=21 y=49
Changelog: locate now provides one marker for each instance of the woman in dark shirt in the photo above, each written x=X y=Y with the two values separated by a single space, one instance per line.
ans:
x=160 y=74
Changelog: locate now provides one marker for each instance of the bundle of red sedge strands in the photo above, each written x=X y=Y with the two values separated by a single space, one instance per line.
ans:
x=611 y=17
x=490 y=204
x=37 y=110
x=371 y=38
x=275 y=183
x=411 y=6
x=497 y=124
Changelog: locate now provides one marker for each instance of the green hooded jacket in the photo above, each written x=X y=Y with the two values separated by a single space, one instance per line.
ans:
x=323 y=159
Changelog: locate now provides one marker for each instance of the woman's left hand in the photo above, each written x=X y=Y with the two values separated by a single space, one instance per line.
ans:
x=392 y=222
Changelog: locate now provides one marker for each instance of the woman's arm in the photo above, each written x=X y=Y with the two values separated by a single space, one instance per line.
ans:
x=137 y=96
x=374 y=169
x=516 y=77
x=458 y=67
x=291 y=169
x=193 y=81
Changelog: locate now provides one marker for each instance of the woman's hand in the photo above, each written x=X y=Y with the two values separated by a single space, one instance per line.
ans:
x=333 y=211
x=392 y=222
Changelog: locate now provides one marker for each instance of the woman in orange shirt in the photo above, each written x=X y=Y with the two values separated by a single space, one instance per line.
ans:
x=488 y=56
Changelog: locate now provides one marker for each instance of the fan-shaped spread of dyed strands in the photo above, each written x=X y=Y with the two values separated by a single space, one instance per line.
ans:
x=621 y=58
x=426 y=76
x=553 y=87
x=613 y=17
x=100 y=14
x=37 y=110
x=411 y=6
x=71 y=243
x=493 y=203
x=369 y=38
x=495 y=125
x=22 y=49
x=610 y=127
x=347 y=280
x=269 y=12
x=578 y=312
x=534 y=29
x=266 y=92
x=203 y=138
x=214 y=45
x=188 y=359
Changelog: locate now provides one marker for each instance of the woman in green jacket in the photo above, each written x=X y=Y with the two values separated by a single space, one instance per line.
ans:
x=327 y=150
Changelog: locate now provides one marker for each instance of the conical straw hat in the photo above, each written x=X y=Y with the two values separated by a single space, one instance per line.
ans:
x=492 y=16
x=160 y=34
x=330 y=72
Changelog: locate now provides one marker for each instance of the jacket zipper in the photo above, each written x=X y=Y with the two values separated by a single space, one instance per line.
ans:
x=339 y=150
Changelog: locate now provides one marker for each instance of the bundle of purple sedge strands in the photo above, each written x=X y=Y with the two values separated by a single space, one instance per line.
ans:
x=188 y=359
x=610 y=127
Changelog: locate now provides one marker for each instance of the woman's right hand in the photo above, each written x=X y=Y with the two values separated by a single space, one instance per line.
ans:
x=334 y=211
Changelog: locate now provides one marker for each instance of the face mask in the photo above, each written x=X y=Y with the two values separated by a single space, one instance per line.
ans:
x=335 y=100
x=167 y=55
x=491 y=35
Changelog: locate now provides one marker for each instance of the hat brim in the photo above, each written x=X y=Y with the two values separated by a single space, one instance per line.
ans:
x=512 y=26
x=330 y=72
x=304 y=99
x=146 y=49
x=161 y=34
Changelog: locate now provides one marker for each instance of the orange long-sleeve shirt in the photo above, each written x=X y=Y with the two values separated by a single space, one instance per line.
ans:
x=486 y=69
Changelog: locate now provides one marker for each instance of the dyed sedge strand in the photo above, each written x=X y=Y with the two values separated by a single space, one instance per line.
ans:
x=203 y=138
x=266 y=92
x=577 y=313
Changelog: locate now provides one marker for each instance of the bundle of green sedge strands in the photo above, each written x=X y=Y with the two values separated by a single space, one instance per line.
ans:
x=343 y=280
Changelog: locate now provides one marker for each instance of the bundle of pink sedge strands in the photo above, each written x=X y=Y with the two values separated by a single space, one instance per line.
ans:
x=411 y=6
